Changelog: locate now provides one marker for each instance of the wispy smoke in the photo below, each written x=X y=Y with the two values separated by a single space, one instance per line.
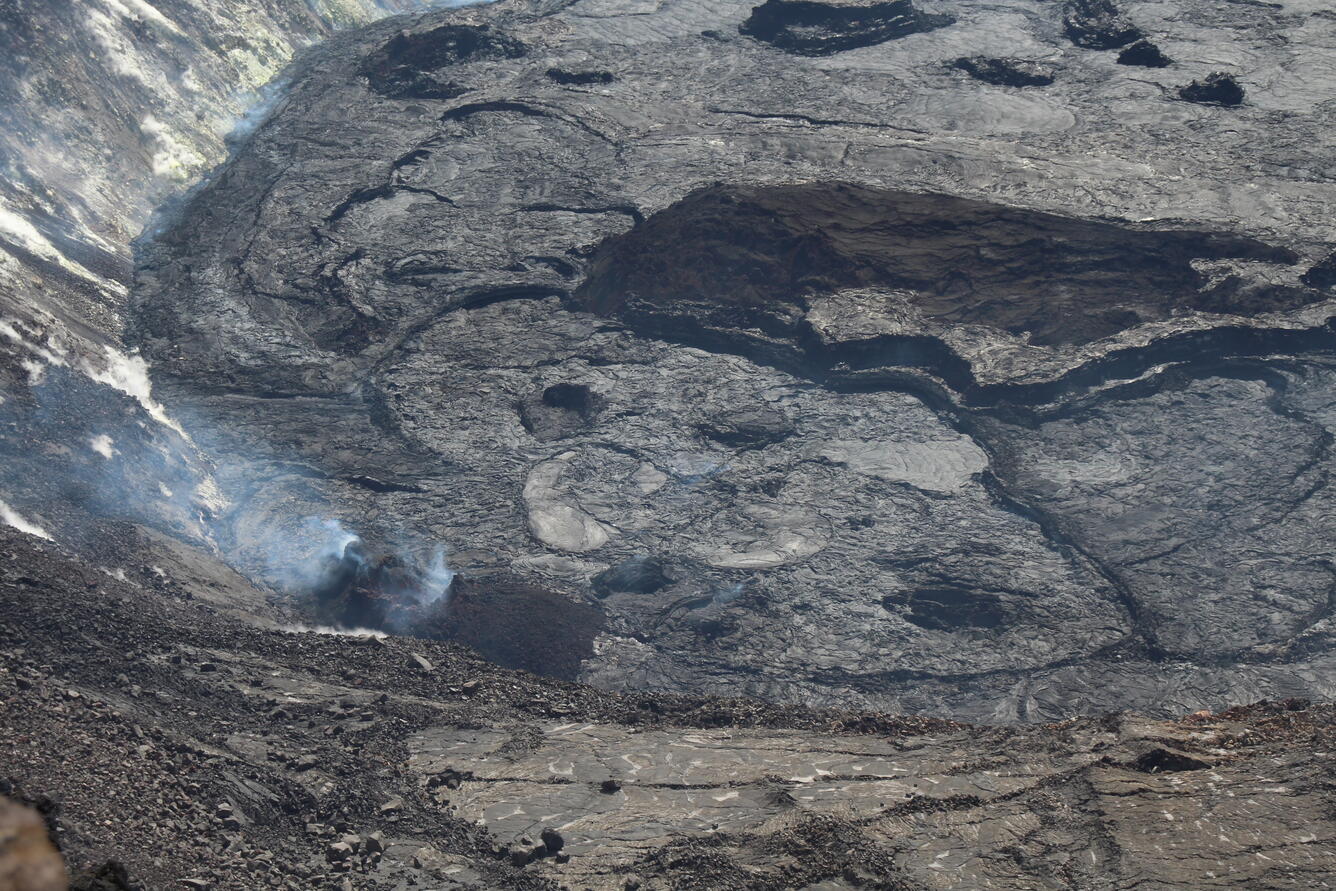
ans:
x=260 y=107
x=331 y=631
x=437 y=578
x=11 y=517
x=729 y=594
x=326 y=560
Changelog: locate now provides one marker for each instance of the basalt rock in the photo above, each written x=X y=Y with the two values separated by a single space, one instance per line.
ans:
x=1098 y=24
x=826 y=27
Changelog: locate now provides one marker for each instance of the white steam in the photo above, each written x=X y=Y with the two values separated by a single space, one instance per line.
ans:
x=103 y=445
x=334 y=632
x=129 y=374
x=437 y=577
x=729 y=594
x=11 y=517
x=302 y=562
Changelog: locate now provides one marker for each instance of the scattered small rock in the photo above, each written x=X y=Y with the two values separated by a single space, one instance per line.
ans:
x=338 y=852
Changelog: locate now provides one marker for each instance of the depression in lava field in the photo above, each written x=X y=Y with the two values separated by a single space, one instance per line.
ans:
x=663 y=444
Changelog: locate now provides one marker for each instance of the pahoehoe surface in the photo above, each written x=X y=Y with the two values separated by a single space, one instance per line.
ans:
x=826 y=360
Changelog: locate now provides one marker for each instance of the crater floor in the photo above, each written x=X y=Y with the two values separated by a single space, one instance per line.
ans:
x=917 y=392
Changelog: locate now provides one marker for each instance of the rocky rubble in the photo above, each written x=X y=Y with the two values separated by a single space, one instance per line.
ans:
x=177 y=746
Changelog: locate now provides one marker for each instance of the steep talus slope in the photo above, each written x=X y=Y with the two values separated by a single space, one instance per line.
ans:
x=108 y=109
x=830 y=377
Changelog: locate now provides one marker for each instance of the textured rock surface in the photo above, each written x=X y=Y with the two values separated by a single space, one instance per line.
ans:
x=924 y=394
x=722 y=350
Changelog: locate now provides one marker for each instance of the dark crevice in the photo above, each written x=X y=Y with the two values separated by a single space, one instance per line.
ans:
x=807 y=119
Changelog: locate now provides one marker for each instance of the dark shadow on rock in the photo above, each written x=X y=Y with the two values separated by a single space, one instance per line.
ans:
x=1005 y=72
x=110 y=876
x=1161 y=760
x=634 y=575
x=518 y=624
x=948 y=608
x=1098 y=24
x=1215 y=89
x=408 y=66
x=1321 y=274
x=748 y=428
x=579 y=78
x=1144 y=54
x=559 y=411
